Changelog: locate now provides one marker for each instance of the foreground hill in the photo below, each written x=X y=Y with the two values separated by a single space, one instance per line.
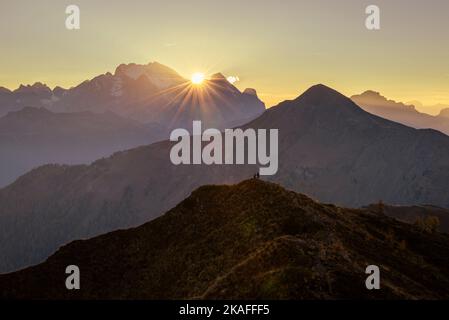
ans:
x=329 y=148
x=254 y=240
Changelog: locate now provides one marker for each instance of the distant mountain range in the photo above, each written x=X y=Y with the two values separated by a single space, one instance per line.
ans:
x=254 y=240
x=147 y=93
x=329 y=149
x=137 y=105
x=375 y=103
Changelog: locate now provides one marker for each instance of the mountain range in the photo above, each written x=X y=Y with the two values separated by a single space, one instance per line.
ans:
x=151 y=93
x=137 y=105
x=373 y=102
x=329 y=149
x=254 y=240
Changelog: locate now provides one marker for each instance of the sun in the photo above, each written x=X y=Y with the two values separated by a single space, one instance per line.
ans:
x=197 y=78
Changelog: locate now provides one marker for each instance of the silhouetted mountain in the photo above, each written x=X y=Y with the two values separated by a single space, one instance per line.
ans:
x=254 y=240
x=32 y=137
x=151 y=93
x=329 y=148
x=377 y=104
x=336 y=152
x=118 y=92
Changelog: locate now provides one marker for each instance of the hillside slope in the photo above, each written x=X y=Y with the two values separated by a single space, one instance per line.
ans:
x=411 y=214
x=329 y=149
x=32 y=137
x=254 y=240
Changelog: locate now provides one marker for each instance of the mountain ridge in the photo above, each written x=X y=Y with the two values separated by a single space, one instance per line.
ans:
x=346 y=158
x=147 y=93
x=407 y=114
x=253 y=240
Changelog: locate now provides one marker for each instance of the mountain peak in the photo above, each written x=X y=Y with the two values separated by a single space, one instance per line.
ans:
x=371 y=93
x=131 y=70
x=372 y=100
x=320 y=91
x=40 y=85
x=36 y=87
x=159 y=74
x=250 y=91
x=218 y=76
x=318 y=108
x=4 y=90
x=322 y=95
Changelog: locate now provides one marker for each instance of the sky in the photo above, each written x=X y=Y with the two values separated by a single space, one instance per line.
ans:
x=280 y=48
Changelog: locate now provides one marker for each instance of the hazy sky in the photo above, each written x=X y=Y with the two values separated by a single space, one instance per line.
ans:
x=278 y=47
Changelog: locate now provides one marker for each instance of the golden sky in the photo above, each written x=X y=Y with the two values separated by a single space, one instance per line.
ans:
x=278 y=47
